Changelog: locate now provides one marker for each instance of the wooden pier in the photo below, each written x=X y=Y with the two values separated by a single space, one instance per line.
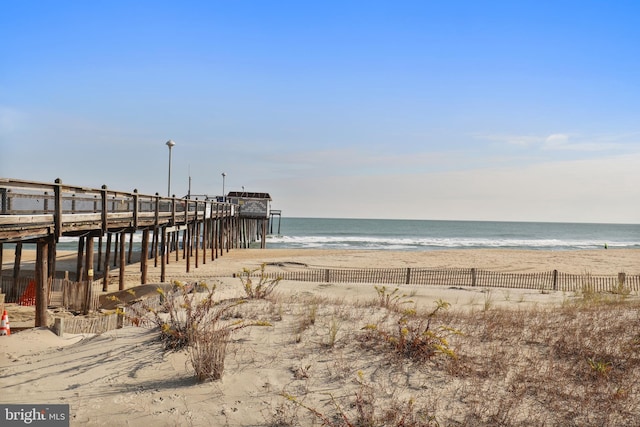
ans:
x=41 y=213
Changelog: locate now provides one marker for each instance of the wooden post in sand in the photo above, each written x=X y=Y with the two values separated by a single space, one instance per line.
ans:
x=156 y=229
x=122 y=261
x=196 y=236
x=216 y=234
x=205 y=234
x=143 y=256
x=130 y=253
x=89 y=258
x=79 y=258
x=89 y=274
x=116 y=246
x=13 y=295
x=554 y=279
x=263 y=243
x=163 y=261
x=42 y=282
x=621 y=280
x=52 y=258
x=99 y=263
x=107 y=260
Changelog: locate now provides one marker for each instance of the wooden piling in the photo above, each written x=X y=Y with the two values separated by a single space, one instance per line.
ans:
x=80 y=259
x=16 y=271
x=143 y=256
x=163 y=261
x=42 y=281
x=122 y=261
x=107 y=260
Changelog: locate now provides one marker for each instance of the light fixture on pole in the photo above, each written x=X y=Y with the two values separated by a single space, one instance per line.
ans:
x=224 y=198
x=170 y=144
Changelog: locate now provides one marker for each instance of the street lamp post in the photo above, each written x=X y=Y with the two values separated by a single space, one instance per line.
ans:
x=170 y=144
x=224 y=198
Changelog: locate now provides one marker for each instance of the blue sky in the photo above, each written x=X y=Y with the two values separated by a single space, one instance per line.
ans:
x=487 y=110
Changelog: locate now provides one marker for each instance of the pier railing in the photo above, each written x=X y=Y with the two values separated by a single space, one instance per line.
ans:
x=31 y=210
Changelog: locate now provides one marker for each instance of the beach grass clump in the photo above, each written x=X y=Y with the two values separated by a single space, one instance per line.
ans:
x=390 y=299
x=190 y=317
x=306 y=320
x=573 y=364
x=334 y=326
x=366 y=409
x=263 y=288
x=209 y=340
x=414 y=336
x=176 y=312
x=577 y=364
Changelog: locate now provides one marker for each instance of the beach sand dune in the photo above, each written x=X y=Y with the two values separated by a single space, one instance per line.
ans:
x=123 y=377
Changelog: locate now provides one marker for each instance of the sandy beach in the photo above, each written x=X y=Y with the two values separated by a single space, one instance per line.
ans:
x=123 y=377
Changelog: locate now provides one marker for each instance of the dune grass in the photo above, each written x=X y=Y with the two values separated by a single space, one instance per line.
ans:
x=573 y=365
x=389 y=362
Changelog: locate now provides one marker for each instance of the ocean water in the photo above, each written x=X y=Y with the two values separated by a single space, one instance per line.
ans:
x=425 y=235
x=411 y=235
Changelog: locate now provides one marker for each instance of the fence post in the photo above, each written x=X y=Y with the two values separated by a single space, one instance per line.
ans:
x=621 y=279
x=58 y=326
x=555 y=280
x=121 y=315
x=408 y=279
x=473 y=277
x=326 y=275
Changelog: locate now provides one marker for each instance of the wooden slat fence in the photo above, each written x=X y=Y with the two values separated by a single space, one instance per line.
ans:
x=74 y=296
x=88 y=325
x=14 y=292
x=63 y=293
x=550 y=280
x=490 y=279
x=430 y=276
x=591 y=283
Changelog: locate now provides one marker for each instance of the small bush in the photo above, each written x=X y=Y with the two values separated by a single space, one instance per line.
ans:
x=306 y=321
x=414 y=336
x=391 y=300
x=263 y=288
x=190 y=317
x=178 y=312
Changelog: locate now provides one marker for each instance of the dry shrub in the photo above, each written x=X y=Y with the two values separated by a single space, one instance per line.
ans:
x=190 y=317
x=179 y=312
x=390 y=299
x=265 y=286
x=207 y=352
x=572 y=365
x=413 y=337
x=366 y=410
x=578 y=364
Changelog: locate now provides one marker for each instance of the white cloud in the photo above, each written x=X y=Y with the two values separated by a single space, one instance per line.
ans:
x=567 y=141
x=517 y=140
x=556 y=141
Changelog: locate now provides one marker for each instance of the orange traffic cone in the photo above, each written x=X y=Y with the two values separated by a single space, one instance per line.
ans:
x=4 y=324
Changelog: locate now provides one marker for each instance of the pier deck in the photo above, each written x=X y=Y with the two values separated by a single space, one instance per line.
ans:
x=41 y=213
